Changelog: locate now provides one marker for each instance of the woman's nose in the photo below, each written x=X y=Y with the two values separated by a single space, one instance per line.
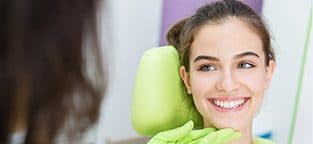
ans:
x=227 y=82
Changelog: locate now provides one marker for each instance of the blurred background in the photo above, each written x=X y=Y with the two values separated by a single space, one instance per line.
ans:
x=134 y=26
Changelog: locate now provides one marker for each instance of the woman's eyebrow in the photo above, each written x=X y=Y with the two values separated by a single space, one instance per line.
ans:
x=205 y=57
x=200 y=57
x=249 y=53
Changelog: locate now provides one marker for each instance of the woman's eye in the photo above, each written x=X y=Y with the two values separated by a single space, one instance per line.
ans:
x=207 y=67
x=245 y=65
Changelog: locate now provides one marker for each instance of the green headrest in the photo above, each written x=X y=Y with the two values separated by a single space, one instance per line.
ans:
x=160 y=101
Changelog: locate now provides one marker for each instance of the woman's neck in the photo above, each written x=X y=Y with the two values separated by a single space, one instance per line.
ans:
x=246 y=137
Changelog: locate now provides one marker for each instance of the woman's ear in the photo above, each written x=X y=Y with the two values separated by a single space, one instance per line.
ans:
x=269 y=73
x=186 y=78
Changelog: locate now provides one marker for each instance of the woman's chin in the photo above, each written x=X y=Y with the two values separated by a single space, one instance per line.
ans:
x=237 y=124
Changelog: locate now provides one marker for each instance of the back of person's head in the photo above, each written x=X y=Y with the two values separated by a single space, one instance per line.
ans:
x=50 y=69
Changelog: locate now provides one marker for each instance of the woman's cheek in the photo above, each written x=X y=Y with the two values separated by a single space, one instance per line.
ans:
x=202 y=83
x=254 y=80
x=255 y=84
x=200 y=90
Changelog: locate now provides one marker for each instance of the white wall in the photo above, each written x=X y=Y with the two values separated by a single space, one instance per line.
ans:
x=304 y=128
x=134 y=27
x=288 y=21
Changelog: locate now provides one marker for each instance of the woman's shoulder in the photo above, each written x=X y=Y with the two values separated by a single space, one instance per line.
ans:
x=258 y=140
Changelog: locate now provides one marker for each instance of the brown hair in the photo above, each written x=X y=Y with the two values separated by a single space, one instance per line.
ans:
x=181 y=35
x=46 y=47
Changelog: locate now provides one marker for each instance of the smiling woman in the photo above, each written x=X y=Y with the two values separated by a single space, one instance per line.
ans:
x=227 y=64
x=214 y=79
x=227 y=75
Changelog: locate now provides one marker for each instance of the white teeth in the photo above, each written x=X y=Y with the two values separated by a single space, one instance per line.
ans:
x=218 y=102
x=232 y=104
x=228 y=104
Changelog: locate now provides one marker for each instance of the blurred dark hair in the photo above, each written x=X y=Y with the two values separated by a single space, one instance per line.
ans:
x=181 y=35
x=50 y=68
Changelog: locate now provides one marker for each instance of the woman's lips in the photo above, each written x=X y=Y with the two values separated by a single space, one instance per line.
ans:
x=226 y=104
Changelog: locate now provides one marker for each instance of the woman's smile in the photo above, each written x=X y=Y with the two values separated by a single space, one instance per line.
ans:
x=228 y=103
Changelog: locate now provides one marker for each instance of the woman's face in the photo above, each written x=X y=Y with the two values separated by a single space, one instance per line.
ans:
x=228 y=74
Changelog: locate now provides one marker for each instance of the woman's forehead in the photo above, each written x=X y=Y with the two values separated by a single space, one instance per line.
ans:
x=227 y=39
